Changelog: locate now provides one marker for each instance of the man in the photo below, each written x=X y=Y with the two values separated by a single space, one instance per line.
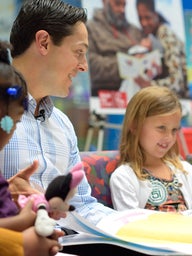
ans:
x=49 y=45
x=50 y=42
x=109 y=32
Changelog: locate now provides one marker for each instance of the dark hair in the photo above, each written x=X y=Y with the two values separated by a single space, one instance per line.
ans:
x=54 y=16
x=150 y=4
x=13 y=79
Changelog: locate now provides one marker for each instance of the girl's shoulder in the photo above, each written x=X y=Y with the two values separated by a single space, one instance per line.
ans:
x=123 y=170
x=186 y=165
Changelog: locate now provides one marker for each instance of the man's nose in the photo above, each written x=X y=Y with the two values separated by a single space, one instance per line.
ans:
x=83 y=66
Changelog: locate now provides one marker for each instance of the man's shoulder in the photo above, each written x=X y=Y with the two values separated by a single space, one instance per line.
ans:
x=98 y=17
x=60 y=114
x=61 y=119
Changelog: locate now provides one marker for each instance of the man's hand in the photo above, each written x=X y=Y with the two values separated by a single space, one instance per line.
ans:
x=19 y=184
x=142 y=82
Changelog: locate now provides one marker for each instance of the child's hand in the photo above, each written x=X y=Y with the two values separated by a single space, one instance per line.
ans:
x=19 y=184
x=27 y=215
x=56 y=214
x=38 y=245
x=56 y=234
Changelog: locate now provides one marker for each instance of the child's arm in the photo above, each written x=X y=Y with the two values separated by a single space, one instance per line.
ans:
x=21 y=221
x=27 y=243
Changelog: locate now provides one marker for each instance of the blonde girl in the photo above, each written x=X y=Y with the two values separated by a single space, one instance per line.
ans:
x=151 y=173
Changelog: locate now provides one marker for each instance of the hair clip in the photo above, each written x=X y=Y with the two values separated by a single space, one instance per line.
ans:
x=6 y=123
x=10 y=91
x=25 y=103
x=14 y=91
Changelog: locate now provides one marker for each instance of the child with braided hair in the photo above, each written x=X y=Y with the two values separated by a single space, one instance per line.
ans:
x=17 y=225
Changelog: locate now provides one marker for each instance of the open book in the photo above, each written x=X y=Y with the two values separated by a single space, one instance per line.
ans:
x=140 y=230
x=147 y=65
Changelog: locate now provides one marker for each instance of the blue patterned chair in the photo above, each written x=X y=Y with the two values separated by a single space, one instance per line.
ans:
x=98 y=166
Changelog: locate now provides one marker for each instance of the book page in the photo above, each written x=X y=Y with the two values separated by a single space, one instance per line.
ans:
x=148 y=65
x=65 y=254
x=170 y=230
x=114 y=229
x=71 y=223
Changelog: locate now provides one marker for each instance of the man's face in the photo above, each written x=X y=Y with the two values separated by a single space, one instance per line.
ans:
x=118 y=6
x=115 y=12
x=65 y=61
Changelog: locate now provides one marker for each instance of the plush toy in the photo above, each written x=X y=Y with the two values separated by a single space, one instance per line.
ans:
x=55 y=199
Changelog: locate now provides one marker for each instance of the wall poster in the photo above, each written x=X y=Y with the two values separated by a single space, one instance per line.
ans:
x=108 y=100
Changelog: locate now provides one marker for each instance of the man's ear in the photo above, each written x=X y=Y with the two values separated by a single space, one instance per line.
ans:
x=42 y=39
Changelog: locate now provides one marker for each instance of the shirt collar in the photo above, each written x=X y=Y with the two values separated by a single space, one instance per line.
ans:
x=46 y=103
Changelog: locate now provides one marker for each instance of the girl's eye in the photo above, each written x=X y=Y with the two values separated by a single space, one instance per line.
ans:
x=162 y=128
x=175 y=130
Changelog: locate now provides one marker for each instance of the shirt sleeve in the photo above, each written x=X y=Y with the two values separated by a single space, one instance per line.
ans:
x=11 y=243
x=124 y=189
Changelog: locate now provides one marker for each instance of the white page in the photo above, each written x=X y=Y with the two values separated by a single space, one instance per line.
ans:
x=107 y=228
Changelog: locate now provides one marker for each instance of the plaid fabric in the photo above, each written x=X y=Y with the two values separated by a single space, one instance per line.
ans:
x=98 y=166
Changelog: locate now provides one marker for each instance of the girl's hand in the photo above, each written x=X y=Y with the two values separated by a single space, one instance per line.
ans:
x=27 y=215
x=19 y=184
x=38 y=245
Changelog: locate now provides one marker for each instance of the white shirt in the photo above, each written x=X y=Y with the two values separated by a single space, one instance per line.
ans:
x=128 y=192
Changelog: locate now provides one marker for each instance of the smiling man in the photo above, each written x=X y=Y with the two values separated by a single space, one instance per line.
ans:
x=50 y=42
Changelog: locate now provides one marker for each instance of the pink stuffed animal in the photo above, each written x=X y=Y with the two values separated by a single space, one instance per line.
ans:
x=56 y=198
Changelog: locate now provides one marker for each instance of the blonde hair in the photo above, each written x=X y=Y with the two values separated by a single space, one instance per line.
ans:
x=149 y=101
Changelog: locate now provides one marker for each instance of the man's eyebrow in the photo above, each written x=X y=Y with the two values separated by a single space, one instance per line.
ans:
x=84 y=44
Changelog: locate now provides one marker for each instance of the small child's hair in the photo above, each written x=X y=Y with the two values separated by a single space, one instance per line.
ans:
x=4 y=52
x=149 y=101
x=11 y=78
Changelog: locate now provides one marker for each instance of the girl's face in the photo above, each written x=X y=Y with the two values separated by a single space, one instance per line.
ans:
x=159 y=134
x=15 y=111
